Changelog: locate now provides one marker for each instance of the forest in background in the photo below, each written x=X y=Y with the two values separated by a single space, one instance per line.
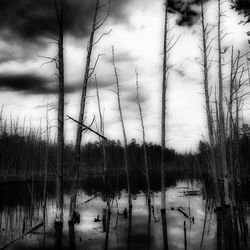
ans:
x=22 y=155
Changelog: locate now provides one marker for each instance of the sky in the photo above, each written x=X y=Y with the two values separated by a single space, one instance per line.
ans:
x=28 y=81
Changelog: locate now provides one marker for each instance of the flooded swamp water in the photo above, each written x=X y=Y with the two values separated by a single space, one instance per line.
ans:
x=185 y=205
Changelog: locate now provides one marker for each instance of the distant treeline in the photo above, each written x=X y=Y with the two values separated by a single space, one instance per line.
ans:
x=24 y=156
x=240 y=156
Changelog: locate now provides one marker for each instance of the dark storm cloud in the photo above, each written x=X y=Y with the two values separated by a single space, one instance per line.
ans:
x=188 y=10
x=242 y=7
x=25 y=83
x=31 y=19
x=32 y=84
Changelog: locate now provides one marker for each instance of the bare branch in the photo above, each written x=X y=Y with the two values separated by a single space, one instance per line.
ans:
x=87 y=127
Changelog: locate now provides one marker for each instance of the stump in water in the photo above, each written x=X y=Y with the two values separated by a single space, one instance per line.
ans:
x=219 y=227
x=97 y=219
x=185 y=235
x=149 y=223
x=125 y=213
x=129 y=226
x=164 y=228
x=23 y=230
x=104 y=215
x=72 y=241
x=76 y=218
x=58 y=234
x=107 y=229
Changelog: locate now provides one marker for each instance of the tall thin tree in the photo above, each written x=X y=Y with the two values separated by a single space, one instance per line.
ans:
x=123 y=131
x=96 y=24
x=163 y=129
x=222 y=132
x=144 y=154
x=60 y=135
x=206 y=48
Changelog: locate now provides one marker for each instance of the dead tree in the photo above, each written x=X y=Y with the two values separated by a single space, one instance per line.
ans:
x=227 y=223
x=143 y=136
x=123 y=131
x=97 y=23
x=60 y=135
x=101 y=129
x=144 y=152
x=206 y=49
x=163 y=130
x=237 y=93
x=221 y=121
x=45 y=173
x=106 y=218
x=168 y=44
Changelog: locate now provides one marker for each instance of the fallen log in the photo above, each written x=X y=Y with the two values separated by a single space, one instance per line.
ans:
x=192 y=192
x=87 y=201
x=37 y=226
x=181 y=210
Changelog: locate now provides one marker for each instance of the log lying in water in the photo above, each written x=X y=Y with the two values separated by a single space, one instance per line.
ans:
x=37 y=226
x=181 y=210
x=192 y=192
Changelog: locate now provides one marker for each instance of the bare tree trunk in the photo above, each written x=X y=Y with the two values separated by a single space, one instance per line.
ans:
x=45 y=175
x=124 y=132
x=221 y=113
x=230 y=111
x=145 y=155
x=87 y=75
x=60 y=135
x=105 y=173
x=101 y=131
x=205 y=49
x=163 y=131
x=227 y=215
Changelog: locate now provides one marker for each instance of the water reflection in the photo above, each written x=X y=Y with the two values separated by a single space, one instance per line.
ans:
x=105 y=224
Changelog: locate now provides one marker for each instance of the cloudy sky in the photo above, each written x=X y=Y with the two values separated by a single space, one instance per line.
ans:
x=28 y=82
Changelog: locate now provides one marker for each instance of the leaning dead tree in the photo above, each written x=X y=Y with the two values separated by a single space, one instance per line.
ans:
x=144 y=153
x=60 y=135
x=143 y=138
x=96 y=25
x=101 y=130
x=126 y=158
x=123 y=131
